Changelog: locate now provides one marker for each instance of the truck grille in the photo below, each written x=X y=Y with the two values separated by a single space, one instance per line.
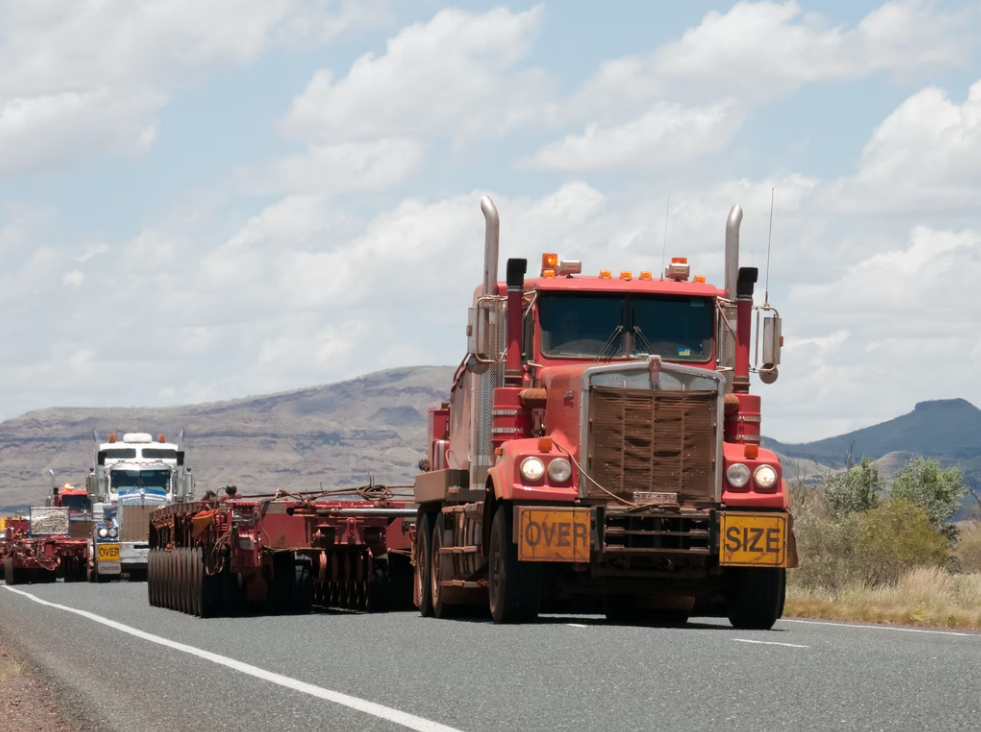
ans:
x=134 y=523
x=646 y=440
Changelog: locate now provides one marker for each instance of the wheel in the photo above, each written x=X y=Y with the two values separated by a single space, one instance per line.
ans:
x=283 y=583
x=149 y=577
x=211 y=590
x=9 y=573
x=197 y=585
x=437 y=572
x=165 y=579
x=514 y=587
x=187 y=581
x=756 y=599
x=422 y=583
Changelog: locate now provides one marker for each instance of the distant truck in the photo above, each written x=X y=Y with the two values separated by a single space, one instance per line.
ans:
x=50 y=542
x=131 y=478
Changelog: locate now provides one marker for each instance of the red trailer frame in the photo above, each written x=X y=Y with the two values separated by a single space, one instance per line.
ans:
x=40 y=559
x=283 y=553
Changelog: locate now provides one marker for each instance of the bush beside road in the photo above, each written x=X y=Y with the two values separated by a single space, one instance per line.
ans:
x=882 y=554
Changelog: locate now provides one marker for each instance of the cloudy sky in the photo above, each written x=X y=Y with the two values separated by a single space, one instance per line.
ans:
x=206 y=199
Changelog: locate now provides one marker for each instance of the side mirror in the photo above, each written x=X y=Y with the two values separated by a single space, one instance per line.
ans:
x=772 y=343
x=180 y=457
x=101 y=457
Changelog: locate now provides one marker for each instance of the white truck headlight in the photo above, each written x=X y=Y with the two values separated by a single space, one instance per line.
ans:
x=113 y=533
x=765 y=477
x=103 y=533
x=532 y=469
x=738 y=475
x=559 y=470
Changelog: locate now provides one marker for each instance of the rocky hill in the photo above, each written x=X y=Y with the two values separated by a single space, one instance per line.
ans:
x=297 y=440
x=948 y=429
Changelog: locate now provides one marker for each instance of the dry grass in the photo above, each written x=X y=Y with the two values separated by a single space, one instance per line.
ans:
x=925 y=596
x=9 y=667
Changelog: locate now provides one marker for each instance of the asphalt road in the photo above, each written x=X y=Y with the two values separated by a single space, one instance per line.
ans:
x=159 y=670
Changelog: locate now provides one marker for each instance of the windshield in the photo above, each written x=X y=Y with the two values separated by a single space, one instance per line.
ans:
x=677 y=328
x=150 y=481
x=120 y=453
x=78 y=502
x=159 y=453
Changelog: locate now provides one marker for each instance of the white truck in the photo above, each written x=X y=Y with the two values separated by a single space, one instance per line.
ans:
x=131 y=478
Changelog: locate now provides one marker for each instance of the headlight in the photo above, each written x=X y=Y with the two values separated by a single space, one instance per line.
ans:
x=765 y=476
x=103 y=533
x=737 y=474
x=532 y=469
x=559 y=470
x=113 y=533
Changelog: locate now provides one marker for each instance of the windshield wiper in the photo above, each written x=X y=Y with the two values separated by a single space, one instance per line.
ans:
x=646 y=343
x=609 y=342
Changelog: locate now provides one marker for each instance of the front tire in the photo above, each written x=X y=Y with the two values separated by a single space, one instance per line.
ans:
x=515 y=588
x=422 y=587
x=757 y=597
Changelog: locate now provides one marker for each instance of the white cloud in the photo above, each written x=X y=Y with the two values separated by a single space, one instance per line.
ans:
x=330 y=169
x=454 y=76
x=90 y=76
x=45 y=132
x=667 y=135
x=757 y=51
x=73 y=278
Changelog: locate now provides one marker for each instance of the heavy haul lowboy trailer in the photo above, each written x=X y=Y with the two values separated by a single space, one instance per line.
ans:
x=29 y=556
x=283 y=553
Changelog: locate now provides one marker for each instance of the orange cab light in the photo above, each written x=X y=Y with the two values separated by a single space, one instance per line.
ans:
x=604 y=274
x=112 y=438
x=625 y=275
x=700 y=279
x=645 y=275
x=679 y=260
x=550 y=261
x=548 y=273
x=162 y=438
x=498 y=451
x=751 y=451
x=544 y=444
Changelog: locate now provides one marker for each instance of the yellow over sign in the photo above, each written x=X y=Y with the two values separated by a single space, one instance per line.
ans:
x=753 y=540
x=553 y=534
x=108 y=552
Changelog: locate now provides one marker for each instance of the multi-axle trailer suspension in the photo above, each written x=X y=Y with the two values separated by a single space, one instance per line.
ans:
x=283 y=553
x=28 y=558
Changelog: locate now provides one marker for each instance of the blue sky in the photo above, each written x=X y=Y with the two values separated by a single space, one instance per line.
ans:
x=192 y=209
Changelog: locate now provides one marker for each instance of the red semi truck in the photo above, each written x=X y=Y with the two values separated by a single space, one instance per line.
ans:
x=600 y=451
x=283 y=552
x=50 y=542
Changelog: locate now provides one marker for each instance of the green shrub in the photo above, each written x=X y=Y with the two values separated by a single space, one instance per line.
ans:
x=856 y=489
x=893 y=538
x=923 y=483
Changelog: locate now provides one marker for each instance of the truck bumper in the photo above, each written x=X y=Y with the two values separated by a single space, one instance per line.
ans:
x=603 y=535
x=134 y=555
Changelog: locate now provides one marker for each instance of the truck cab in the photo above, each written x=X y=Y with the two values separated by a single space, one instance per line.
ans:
x=131 y=478
x=601 y=450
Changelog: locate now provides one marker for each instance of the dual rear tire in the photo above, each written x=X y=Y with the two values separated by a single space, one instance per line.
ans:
x=514 y=588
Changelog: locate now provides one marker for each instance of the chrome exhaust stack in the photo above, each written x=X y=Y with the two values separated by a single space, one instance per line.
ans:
x=732 y=250
x=492 y=244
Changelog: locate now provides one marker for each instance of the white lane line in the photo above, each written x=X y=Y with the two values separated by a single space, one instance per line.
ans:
x=577 y=625
x=871 y=626
x=352 y=702
x=769 y=643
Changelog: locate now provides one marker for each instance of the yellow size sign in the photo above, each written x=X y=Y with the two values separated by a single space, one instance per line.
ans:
x=753 y=540
x=108 y=552
x=553 y=534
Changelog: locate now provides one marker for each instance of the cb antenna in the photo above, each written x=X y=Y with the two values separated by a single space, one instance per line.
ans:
x=664 y=249
x=769 y=237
